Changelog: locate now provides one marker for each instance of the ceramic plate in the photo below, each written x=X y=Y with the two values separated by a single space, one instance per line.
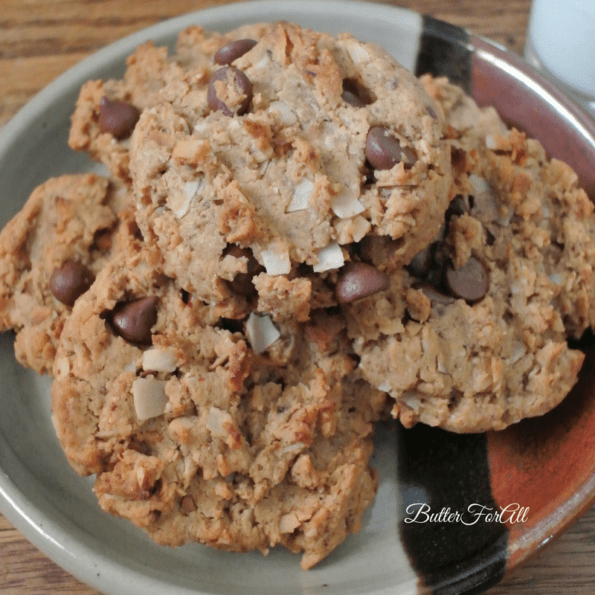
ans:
x=422 y=471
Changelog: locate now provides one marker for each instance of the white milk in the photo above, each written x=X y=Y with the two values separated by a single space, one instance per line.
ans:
x=561 y=41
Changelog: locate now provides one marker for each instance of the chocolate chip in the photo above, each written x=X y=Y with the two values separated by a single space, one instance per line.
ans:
x=421 y=263
x=117 y=117
x=242 y=282
x=384 y=151
x=441 y=255
x=233 y=50
x=359 y=280
x=435 y=275
x=469 y=282
x=242 y=86
x=133 y=320
x=356 y=94
x=458 y=206
x=429 y=263
x=434 y=295
x=70 y=281
x=379 y=249
x=352 y=99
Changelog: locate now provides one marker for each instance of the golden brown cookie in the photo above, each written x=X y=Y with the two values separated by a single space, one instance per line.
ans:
x=50 y=253
x=107 y=110
x=293 y=152
x=472 y=335
x=238 y=435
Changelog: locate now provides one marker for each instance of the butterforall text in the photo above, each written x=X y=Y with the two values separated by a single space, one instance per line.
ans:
x=513 y=513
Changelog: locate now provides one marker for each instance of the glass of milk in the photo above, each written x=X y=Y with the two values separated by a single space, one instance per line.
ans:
x=561 y=43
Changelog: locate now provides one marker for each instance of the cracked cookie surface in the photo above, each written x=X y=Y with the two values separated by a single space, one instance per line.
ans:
x=106 y=111
x=195 y=436
x=49 y=254
x=472 y=336
x=300 y=147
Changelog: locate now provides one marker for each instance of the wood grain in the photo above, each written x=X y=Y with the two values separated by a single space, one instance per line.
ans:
x=40 y=39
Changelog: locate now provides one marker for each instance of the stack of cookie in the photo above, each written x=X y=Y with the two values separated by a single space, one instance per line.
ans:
x=295 y=239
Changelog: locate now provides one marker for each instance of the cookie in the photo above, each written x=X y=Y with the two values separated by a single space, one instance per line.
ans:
x=472 y=335
x=298 y=148
x=106 y=111
x=475 y=127
x=50 y=253
x=238 y=435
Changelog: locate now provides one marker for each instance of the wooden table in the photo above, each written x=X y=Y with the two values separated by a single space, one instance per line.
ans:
x=40 y=39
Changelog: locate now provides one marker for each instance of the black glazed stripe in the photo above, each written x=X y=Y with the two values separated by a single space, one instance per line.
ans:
x=444 y=51
x=448 y=473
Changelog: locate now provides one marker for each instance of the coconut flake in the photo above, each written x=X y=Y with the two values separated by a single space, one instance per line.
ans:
x=191 y=191
x=215 y=421
x=479 y=184
x=440 y=366
x=262 y=168
x=263 y=62
x=201 y=126
x=276 y=262
x=485 y=206
x=518 y=352
x=329 y=257
x=505 y=217
x=301 y=196
x=288 y=116
x=412 y=401
x=358 y=53
x=491 y=142
x=159 y=360
x=556 y=278
x=261 y=331
x=149 y=397
x=292 y=448
x=346 y=205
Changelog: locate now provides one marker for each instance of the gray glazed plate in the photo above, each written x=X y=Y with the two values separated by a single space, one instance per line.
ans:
x=57 y=511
